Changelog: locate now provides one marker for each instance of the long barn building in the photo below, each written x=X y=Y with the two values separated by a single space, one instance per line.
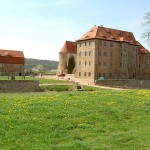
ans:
x=12 y=63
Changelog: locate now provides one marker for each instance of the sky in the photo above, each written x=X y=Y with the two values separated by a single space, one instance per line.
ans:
x=39 y=28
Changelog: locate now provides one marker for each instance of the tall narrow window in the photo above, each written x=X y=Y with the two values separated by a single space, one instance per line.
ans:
x=79 y=73
x=99 y=63
x=89 y=43
x=111 y=44
x=99 y=53
x=85 y=63
x=100 y=43
x=85 y=53
x=110 y=64
x=89 y=74
x=89 y=53
x=104 y=75
x=110 y=75
x=104 y=63
x=85 y=43
x=111 y=54
x=80 y=44
x=84 y=73
x=104 y=53
x=104 y=43
x=89 y=63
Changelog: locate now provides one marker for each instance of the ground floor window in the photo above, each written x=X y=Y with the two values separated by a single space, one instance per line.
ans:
x=110 y=75
x=84 y=73
x=100 y=75
x=104 y=75
x=89 y=74
x=79 y=73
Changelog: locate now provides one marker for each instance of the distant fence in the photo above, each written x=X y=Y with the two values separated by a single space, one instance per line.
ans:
x=18 y=86
x=126 y=83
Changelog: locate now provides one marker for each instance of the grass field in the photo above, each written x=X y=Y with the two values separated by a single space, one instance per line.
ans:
x=41 y=80
x=95 y=120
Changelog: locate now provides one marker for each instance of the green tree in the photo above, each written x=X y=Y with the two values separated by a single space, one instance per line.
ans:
x=146 y=23
x=71 y=64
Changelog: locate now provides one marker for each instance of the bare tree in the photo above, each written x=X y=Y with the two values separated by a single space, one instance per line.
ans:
x=146 y=23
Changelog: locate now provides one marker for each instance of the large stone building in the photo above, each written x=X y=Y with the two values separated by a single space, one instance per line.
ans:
x=11 y=63
x=110 y=53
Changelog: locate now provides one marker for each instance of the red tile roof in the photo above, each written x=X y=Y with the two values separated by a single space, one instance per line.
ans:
x=142 y=49
x=69 y=47
x=98 y=32
x=11 y=57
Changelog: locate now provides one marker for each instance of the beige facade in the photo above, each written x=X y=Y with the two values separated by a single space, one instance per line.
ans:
x=112 y=60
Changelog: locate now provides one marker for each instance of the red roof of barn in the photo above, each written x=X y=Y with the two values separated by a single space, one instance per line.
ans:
x=11 y=57
x=99 y=32
x=69 y=47
x=142 y=49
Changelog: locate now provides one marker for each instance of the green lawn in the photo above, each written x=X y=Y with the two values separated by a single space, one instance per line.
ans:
x=94 y=120
x=41 y=80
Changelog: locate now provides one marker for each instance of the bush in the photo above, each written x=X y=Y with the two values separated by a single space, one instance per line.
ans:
x=57 y=88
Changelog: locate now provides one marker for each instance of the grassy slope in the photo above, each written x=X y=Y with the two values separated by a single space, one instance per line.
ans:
x=96 y=120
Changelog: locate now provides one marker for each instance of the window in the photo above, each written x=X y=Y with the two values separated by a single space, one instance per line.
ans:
x=79 y=63
x=79 y=53
x=85 y=63
x=79 y=73
x=111 y=44
x=85 y=53
x=104 y=63
x=104 y=75
x=111 y=54
x=80 y=44
x=89 y=43
x=89 y=63
x=85 y=43
x=110 y=75
x=110 y=64
x=99 y=53
x=99 y=63
x=100 y=43
x=104 y=53
x=104 y=43
x=84 y=73
x=89 y=53
x=89 y=74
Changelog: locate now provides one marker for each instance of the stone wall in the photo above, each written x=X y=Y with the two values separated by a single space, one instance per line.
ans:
x=145 y=84
x=18 y=86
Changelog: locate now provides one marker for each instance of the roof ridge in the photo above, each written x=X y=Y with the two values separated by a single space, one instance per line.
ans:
x=97 y=31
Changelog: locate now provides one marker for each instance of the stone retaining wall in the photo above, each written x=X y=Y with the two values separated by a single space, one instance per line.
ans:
x=144 y=84
x=19 y=86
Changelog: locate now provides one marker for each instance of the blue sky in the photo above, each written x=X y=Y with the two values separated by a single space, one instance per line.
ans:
x=40 y=27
